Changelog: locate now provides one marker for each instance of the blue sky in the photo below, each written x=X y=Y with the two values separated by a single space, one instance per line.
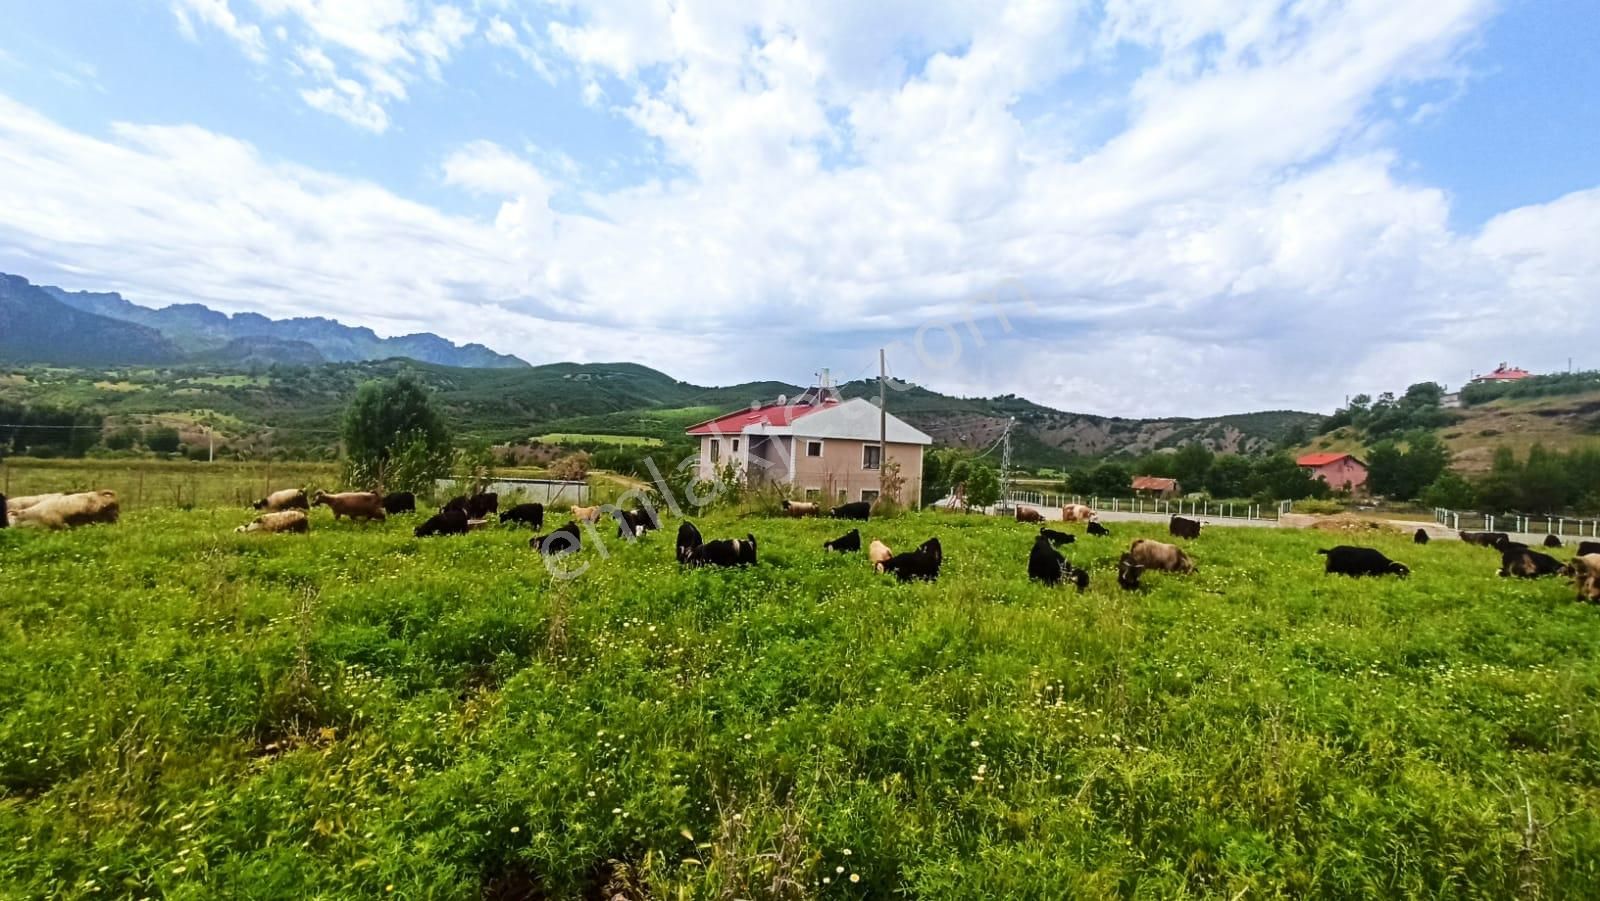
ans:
x=1208 y=206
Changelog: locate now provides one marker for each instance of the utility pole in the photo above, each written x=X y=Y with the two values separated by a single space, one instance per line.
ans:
x=1005 y=467
x=883 y=418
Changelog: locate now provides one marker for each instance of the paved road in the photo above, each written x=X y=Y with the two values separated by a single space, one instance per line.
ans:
x=1435 y=531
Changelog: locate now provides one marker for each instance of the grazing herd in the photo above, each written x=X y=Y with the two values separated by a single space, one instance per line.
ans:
x=289 y=511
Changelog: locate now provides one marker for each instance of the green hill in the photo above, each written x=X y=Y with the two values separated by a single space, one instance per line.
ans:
x=298 y=408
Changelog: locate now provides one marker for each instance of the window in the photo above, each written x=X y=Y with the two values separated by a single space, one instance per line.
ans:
x=716 y=450
x=813 y=494
x=736 y=445
x=844 y=496
x=869 y=496
x=871 y=456
x=813 y=448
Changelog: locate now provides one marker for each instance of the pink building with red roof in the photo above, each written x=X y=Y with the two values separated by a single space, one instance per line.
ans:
x=1342 y=472
x=826 y=447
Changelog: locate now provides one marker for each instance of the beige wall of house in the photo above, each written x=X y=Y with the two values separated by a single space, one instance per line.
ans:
x=840 y=467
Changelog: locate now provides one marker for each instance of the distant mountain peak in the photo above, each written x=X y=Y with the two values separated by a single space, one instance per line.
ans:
x=203 y=333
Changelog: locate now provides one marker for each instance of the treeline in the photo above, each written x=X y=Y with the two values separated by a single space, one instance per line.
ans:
x=1533 y=386
x=1542 y=481
x=1420 y=408
x=1266 y=478
x=43 y=431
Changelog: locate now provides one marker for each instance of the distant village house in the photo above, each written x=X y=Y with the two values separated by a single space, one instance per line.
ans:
x=1155 y=486
x=825 y=447
x=1342 y=472
x=1504 y=373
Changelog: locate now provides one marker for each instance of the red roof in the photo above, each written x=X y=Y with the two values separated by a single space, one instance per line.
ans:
x=1504 y=373
x=768 y=414
x=1154 y=483
x=1324 y=459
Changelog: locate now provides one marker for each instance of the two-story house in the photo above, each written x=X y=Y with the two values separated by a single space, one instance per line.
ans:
x=826 y=447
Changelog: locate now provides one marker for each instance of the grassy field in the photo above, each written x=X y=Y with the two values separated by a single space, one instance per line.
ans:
x=186 y=712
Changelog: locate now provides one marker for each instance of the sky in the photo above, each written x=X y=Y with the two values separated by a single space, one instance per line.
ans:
x=1126 y=207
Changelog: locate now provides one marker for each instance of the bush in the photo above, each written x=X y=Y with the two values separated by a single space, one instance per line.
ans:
x=1318 y=508
x=162 y=439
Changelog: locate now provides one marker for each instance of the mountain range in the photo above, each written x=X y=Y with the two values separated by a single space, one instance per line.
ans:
x=45 y=324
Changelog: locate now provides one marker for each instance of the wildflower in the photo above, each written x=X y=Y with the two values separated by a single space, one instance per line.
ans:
x=855 y=877
x=515 y=829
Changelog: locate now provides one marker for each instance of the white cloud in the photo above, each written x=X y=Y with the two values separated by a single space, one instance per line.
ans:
x=360 y=55
x=217 y=14
x=837 y=174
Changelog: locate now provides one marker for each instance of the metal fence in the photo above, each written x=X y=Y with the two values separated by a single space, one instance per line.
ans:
x=1148 y=506
x=544 y=491
x=1545 y=524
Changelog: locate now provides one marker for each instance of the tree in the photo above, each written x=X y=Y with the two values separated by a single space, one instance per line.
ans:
x=1449 y=490
x=1545 y=482
x=1426 y=460
x=387 y=420
x=1279 y=478
x=1191 y=463
x=1109 y=480
x=1294 y=436
x=1499 y=490
x=162 y=439
x=939 y=472
x=983 y=485
x=1228 y=476
x=1386 y=469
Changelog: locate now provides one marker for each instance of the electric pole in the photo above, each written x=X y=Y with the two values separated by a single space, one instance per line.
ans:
x=883 y=418
x=1005 y=467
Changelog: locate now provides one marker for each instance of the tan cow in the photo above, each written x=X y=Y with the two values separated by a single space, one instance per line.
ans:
x=354 y=504
x=879 y=554
x=1028 y=514
x=586 y=514
x=798 y=509
x=65 y=511
x=281 y=521
x=1585 y=574
x=1161 y=556
x=1076 y=513
x=18 y=504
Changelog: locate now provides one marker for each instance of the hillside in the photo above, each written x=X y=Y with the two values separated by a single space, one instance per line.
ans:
x=206 y=335
x=1472 y=434
x=1559 y=423
x=36 y=327
x=298 y=407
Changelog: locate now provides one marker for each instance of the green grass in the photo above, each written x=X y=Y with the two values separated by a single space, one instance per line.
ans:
x=582 y=438
x=190 y=713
